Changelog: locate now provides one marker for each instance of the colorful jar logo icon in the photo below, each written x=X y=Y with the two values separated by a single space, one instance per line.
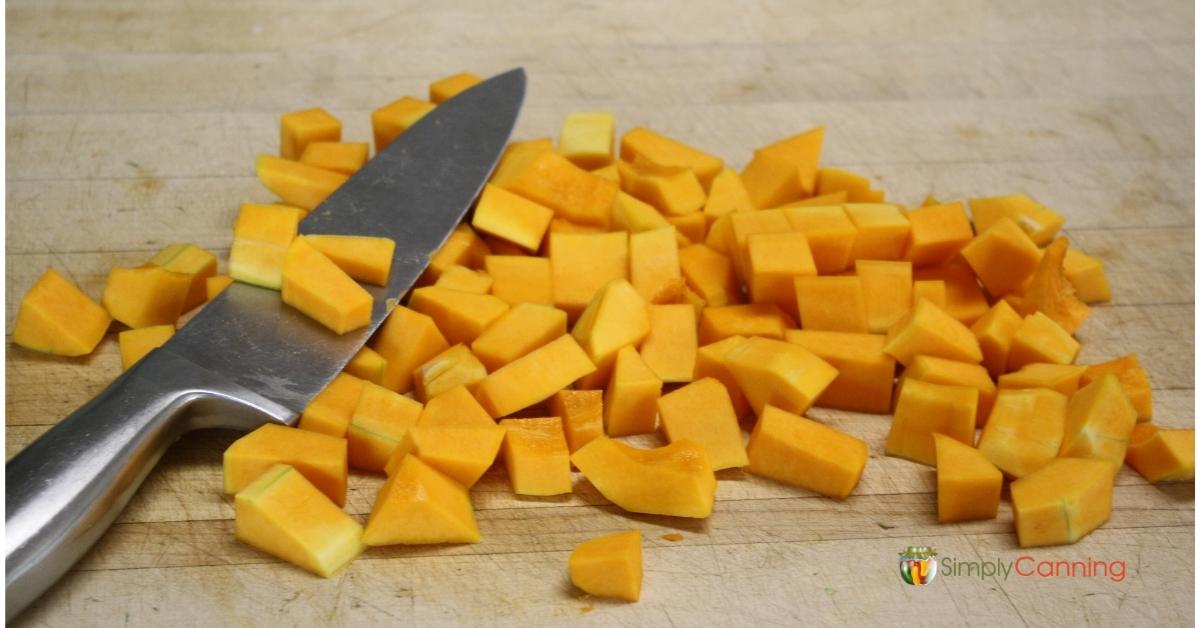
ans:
x=918 y=565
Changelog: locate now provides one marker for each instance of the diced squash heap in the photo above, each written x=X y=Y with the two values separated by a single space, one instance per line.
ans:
x=368 y=364
x=582 y=414
x=511 y=217
x=390 y=120
x=344 y=157
x=670 y=347
x=609 y=566
x=1063 y=378
x=924 y=409
x=331 y=410
x=1100 y=421
x=452 y=368
x=928 y=330
x=587 y=139
x=298 y=129
x=942 y=371
x=407 y=339
x=1133 y=381
x=865 y=372
x=461 y=316
x=145 y=296
x=533 y=377
x=777 y=373
x=631 y=397
x=832 y=303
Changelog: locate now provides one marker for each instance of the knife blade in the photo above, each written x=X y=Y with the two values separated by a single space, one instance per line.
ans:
x=247 y=358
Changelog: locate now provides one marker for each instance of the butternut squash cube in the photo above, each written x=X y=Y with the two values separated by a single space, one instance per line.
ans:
x=367 y=259
x=925 y=409
x=883 y=231
x=518 y=279
x=344 y=157
x=674 y=191
x=775 y=260
x=789 y=448
x=1040 y=339
x=284 y=515
x=616 y=317
x=444 y=89
x=670 y=347
x=517 y=156
x=642 y=144
x=939 y=232
x=995 y=331
x=1062 y=502
x=778 y=373
x=1063 y=378
x=330 y=411
x=744 y=224
x=511 y=217
x=1025 y=429
x=464 y=279
x=536 y=456
x=313 y=284
x=932 y=289
x=1133 y=380
x=215 y=285
x=710 y=275
x=753 y=319
x=942 y=371
x=461 y=316
x=1049 y=291
x=968 y=485
x=261 y=237
x=392 y=119
x=1162 y=455
x=830 y=233
x=452 y=368
x=689 y=228
x=1035 y=219
x=136 y=343
x=582 y=413
x=702 y=412
x=319 y=457
x=857 y=188
x=1100 y=420
x=887 y=291
x=1002 y=256
x=150 y=295
x=464 y=247
x=654 y=265
x=720 y=236
x=518 y=331
x=710 y=362
x=464 y=454
x=298 y=129
x=609 y=566
x=832 y=303
x=56 y=317
x=633 y=391
x=1086 y=274
x=299 y=185
x=581 y=264
x=368 y=365
x=928 y=330
x=726 y=194
x=533 y=377
x=380 y=420
x=865 y=372
x=575 y=194
x=634 y=215
x=675 y=480
x=456 y=407
x=418 y=505
x=784 y=171
x=587 y=139
x=192 y=261
x=964 y=298
x=407 y=339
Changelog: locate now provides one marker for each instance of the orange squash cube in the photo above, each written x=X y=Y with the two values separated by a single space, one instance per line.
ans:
x=925 y=409
x=942 y=371
x=609 y=566
x=675 y=480
x=344 y=157
x=56 y=317
x=726 y=195
x=1002 y=256
x=932 y=289
x=1162 y=455
x=150 y=295
x=536 y=456
x=519 y=279
x=634 y=215
x=778 y=373
x=511 y=217
x=689 y=228
x=1133 y=380
x=582 y=413
x=995 y=331
x=407 y=339
x=464 y=279
x=703 y=412
x=548 y=179
x=587 y=139
x=1024 y=430
x=753 y=319
x=674 y=191
x=1062 y=502
x=215 y=285
x=968 y=485
x=444 y=89
x=318 y=457
x=832 y=303
x=299 y=185
x=939 y=232
x=710 y=362
x=461 y=316
x=464 y=247
x=928 y=330
x=720 y=235
x=795 y=450
x=581 y=264
x=617 y=317
x=1035 y=219
x=379 y=422
x=865 y=372
x=313 y=284
x=883 y=231
x=392 y=119
x=633 y=391
x=1063 y=378
x=1100 y=420
x=533 y=377
x=298 y=129
x=1086 y=274
x=193 y=261
x=464 y=454
x=784 y=171
x=887 y=289
x=964 y=298
x=710 y=275
x=261 y=237
x=367 y=259
x=744 y=224
x=331 y=410
x=516 y=157
x=775 y=259
x=367 y=364
x=830 y=233
x=452 y=368
x=455 y=408
x=1040 y=339
x=136 y=343
x=654 y=265
x=642 y=144
x=670 y=347
x=518 y=331
x=419 y=505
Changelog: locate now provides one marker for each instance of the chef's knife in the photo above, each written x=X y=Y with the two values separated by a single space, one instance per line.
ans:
x=246 y=358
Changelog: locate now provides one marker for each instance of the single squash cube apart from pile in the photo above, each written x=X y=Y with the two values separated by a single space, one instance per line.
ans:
x=609 y=566
x=1162 y=455
x=674 y=480
x=1063 y=501
x=795 y=450
x=968 y=485
x=418 y=505
x=57 y=317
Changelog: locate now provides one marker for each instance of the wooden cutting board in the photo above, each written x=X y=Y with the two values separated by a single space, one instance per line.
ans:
x=134 y=125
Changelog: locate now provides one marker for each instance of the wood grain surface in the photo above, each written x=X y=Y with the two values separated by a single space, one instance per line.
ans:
x=132 y=125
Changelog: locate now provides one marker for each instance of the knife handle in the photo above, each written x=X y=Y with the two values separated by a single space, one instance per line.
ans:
x=67 y=487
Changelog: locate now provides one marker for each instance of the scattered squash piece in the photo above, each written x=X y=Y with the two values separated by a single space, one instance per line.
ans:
x=784 y=171
x=587 y=139
x=407 y=339
x=1002 y=256
x=703 y=412
x=392 y=119
x=581 y=264
x=670 y=347
x=518 y=279
x=461 y=316
x=380 y=420
x=830 y=233
x=609 y=566
x=938 y=233
x=452 y=368
x=536 y=456
x=193 y=261
x=994 y=331
x=1036 y=220
x=299 y=185
x=942 y=371
x=928 y=330
x=136 y=343
x=642 y=144
x=925 y=409
x=145 y=296
x=674 y=480
x=968 y=485
x=582 y=413
x=654 y=265
x=633 y=391
x=533 y=377
x=313 y=284
x=1133 y=380
x=444 y=89
x=511 y=217
x=792 y=449
x=418 y=505
x=1062 y=502
x=1040 y=339
x=1162 y=455
x=319 y=457
x=298 y=129
x=883 y=231
x=832 y=303
x=1100 y=421
x=261 y=236
x=331 y=410
x=887 y=288
x=56 y=317
x=778 y=373
x=367 y=259
x=575 y=194
x=865 y=372
x=344 y=157
x=1025 y=429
